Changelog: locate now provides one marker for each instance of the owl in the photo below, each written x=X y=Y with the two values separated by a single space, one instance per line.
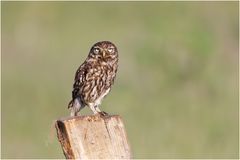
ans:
x=94 y=78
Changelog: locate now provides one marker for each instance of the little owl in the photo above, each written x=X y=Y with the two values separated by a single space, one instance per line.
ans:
x=94 y=78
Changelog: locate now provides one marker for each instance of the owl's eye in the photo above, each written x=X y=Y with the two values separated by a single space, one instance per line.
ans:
x=110 y=50
x=96 y=50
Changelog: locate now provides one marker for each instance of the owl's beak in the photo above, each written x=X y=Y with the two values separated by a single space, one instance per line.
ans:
x=103 y=53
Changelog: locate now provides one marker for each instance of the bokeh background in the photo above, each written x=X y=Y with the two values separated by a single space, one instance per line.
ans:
x=176 y=89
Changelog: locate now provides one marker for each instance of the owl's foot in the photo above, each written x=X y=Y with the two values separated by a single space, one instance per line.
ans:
x=102 y=113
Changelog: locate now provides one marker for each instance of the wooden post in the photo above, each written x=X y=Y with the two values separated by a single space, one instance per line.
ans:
x=93 y=137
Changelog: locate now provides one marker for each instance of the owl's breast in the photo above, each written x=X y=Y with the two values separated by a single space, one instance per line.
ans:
x=93 y=80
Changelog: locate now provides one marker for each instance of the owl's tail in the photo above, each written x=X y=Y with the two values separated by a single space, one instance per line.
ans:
x=70 y=104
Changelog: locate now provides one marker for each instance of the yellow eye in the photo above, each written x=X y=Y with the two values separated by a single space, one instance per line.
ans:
x=96 y=50
x=110 y=50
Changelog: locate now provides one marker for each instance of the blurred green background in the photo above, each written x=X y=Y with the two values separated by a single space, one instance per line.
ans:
x=176 y=89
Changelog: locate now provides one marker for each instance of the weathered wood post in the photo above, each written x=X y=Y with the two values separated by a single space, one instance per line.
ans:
x=93 y=137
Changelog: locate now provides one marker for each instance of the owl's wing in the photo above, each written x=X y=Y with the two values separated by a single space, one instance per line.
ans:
x=76 y=85
x=78 y=80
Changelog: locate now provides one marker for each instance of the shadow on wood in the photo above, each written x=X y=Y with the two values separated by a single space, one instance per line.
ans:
x=93 y=137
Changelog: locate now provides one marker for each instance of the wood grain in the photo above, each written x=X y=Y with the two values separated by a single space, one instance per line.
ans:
x=93 y=137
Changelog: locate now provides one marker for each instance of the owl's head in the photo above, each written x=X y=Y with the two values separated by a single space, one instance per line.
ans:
x=104 y=50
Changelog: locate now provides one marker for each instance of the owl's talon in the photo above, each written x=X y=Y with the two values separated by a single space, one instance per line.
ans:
x=103 y=113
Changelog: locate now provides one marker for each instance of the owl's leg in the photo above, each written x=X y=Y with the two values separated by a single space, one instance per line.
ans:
x=92 y=107
x=97 y=109
x=73 y=112
x=77 y=106
x=101 y=112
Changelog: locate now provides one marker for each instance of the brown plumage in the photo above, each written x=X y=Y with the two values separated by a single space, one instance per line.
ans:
x=94 y=78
